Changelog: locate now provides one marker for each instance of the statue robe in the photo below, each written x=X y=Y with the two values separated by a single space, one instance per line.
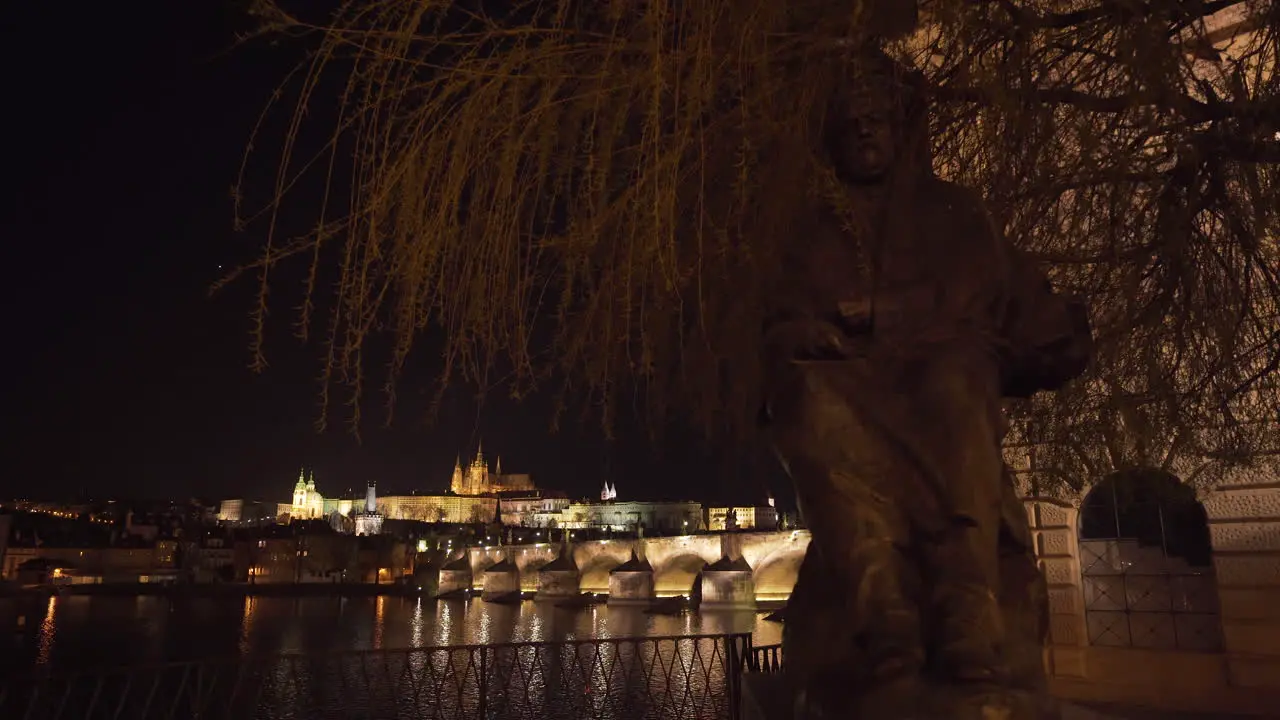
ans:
x=896 y=443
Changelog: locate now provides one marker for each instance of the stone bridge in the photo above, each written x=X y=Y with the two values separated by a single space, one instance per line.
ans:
x=773 y=558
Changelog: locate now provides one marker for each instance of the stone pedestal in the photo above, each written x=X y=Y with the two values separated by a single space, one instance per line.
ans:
x=1244 y=525
x=767 y=697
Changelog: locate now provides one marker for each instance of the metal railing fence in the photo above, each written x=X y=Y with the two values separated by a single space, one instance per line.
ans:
x=646 y=678
x=765 y=659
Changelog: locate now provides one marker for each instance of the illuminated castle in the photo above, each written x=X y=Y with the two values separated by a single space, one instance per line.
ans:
x=477 y=480
x=472 y=500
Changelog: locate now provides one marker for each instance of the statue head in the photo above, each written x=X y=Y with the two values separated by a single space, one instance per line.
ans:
x=873 y=119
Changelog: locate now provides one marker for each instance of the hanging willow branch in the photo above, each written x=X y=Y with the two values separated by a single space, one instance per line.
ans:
x=592 y=194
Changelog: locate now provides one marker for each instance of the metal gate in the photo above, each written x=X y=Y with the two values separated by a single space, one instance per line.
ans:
x=1139 y=594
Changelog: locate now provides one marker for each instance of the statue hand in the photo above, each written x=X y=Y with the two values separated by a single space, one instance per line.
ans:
x=824 y=341
x=808 y=339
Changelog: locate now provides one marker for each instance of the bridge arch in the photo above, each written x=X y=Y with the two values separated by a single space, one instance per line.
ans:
x=676 y=574
x=777 y=577
x=595 y=558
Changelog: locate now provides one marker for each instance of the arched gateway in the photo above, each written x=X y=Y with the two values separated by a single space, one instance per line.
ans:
x=1146 y=565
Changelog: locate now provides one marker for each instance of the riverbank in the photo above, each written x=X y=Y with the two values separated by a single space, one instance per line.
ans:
x=216 y=590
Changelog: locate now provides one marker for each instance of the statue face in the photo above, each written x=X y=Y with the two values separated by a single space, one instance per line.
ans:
x=864 y=139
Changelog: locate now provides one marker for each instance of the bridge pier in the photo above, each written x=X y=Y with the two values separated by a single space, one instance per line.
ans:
x=559 y=579
x=631 y=583
x=728 y=585
x=501 y=580
x=455 y=576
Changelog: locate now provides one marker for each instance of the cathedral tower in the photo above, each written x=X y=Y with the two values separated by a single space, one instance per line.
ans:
x=477 y=482
x=300 y=490
x=456 y=484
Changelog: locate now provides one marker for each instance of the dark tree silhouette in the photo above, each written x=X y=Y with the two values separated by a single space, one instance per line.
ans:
x=593 y=195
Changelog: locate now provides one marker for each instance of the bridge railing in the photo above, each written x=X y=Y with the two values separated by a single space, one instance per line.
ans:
x=649 y=678
x=765 y=659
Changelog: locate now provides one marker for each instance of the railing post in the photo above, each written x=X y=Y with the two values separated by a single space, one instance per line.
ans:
x=736 y=666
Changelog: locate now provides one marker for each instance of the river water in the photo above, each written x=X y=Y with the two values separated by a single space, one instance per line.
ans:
x=80 y=632
x=270 y=658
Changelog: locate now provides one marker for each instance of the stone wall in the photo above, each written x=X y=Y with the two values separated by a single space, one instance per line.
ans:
x=1244 y=678
x=1244 y=524
x=1054 y=531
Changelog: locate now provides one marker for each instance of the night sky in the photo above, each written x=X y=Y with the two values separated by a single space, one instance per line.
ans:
x=126 y=125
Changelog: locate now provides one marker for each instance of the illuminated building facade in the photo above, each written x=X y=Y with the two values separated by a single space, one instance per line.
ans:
x=438 y=508
x=248 y=511
x=523 y=510
x=627 y=516
x=742 y=518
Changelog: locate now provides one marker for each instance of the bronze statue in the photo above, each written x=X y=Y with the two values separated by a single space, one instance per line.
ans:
x=901 y=323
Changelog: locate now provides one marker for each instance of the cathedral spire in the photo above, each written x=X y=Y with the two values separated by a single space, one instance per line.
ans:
x=456 y=482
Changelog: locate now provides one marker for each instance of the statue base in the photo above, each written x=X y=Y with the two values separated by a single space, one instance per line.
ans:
x=776 y=697
x=767 y=696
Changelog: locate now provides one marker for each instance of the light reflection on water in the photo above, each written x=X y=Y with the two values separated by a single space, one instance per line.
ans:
x=246 y=626
x=48 y=631
x=102 y=631
x=379 y=617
